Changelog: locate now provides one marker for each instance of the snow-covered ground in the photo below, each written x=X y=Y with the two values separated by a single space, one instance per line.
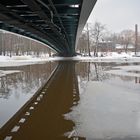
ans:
x=6 y=61
x=4 y=73
x=108 y=57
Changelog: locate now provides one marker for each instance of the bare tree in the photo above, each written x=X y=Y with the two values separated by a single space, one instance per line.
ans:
x=126 y=38
x=97 y=33
x=88 y=39
x=0 y=42
x=14 y=44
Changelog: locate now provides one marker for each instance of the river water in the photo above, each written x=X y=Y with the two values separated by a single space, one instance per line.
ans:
x=17 y=88
x=83 y=101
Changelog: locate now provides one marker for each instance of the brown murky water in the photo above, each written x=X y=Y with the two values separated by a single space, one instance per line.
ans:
x=81 y=101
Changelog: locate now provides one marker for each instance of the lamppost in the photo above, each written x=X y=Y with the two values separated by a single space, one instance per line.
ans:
x=88 y=41
x=136 y=38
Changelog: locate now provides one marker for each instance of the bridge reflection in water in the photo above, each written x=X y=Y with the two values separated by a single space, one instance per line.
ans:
x=42 y=117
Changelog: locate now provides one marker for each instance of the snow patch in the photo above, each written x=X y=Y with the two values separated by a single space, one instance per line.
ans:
x=4 y=73
x=6 y=61
x=21 y=57
x=131 y=70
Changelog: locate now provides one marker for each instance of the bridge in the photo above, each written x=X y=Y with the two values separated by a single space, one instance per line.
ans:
x=57 y=23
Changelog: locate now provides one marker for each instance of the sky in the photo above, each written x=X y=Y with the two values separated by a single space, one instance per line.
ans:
x=116 y=15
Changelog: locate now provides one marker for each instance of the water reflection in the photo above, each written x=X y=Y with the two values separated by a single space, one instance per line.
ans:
x=137 y=80
x=16 y=89
x=109 y=103
x=135 y=71
x=82 y=100
x=30 y=77
x=46 y=119
x=4 y=90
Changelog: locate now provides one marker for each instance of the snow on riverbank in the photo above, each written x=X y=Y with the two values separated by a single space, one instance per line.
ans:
x=6 y=61
x=110 y=57
x=4 y=73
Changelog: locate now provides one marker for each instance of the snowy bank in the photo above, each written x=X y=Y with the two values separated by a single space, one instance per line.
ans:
x=4 y=73
x=119 y=58
x=6 y=61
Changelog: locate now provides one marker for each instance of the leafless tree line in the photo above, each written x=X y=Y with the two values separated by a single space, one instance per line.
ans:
x=13 y=44
x=98 y=38
x=94 y=38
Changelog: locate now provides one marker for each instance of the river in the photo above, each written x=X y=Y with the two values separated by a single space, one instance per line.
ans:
x=83 y=101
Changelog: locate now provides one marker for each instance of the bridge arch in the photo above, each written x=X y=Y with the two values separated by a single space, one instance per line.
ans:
x=57 y=23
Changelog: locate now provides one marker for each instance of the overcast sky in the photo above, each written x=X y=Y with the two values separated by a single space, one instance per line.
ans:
x=116 y=14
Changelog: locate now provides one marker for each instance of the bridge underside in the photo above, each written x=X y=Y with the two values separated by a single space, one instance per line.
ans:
x=56 y=23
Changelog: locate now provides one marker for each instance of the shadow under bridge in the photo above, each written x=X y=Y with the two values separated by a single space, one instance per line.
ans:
x=57 y=23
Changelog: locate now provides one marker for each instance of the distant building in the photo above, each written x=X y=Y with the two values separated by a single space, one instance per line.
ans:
x=121 y=48
x=106 y=46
